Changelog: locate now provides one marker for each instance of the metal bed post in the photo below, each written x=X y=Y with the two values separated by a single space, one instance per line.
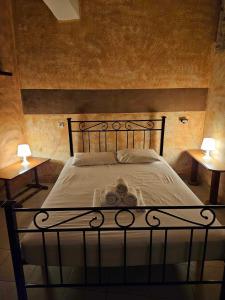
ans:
x=15 y=250
x=162 y=135
x=70 y=136
x=222 y=292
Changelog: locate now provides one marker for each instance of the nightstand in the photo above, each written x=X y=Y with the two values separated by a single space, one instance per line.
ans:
x=16 y=170
x=213 y=165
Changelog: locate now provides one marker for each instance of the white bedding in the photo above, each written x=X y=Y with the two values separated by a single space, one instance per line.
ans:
x=159 y=184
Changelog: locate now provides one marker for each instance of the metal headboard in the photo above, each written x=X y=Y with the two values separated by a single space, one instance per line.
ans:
x=99 y=130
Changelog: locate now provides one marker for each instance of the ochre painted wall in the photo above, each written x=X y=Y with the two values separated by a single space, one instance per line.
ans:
x=144 y=44
x=11 y=115
x=215 y=114
x=117 y=44
x=54 y=140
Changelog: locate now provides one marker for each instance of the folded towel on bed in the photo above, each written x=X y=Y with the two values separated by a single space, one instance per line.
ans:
x=111 y=197
x=106 y=197
x=121 y=186
x=99 y=199
x=130 y=198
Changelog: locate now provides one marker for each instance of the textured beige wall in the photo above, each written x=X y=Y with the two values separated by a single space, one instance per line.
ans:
x=117 y=44
x=11 y=115
x=215 y=115
x=11 y=124
x=54 y=140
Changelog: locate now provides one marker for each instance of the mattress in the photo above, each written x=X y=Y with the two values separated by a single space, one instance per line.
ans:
x=159 y=185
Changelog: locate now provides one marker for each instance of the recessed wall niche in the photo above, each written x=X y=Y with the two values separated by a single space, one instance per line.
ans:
x=41 y=101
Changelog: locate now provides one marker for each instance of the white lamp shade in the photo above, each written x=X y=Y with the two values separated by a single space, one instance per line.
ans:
x=208 y=144
x=23 y=150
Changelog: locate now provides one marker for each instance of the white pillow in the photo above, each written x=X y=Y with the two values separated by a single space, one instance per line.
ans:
x=137 y=156
x=94 y=159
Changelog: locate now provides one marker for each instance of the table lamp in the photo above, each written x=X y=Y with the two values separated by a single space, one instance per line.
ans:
x=208 y=145
x=24 y=151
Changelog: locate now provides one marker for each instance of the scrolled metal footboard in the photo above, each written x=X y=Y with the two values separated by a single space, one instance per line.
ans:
x=155 y=220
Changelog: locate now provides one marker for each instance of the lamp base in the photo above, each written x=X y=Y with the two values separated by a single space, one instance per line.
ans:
x=25 y=162
x=207 y=155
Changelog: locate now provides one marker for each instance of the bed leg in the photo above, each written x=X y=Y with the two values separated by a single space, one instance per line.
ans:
x=14 y=243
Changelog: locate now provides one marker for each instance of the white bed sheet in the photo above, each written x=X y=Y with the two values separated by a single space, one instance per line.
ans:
x=159 y=184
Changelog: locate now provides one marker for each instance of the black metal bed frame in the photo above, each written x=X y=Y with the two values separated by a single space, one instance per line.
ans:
x=95 y=223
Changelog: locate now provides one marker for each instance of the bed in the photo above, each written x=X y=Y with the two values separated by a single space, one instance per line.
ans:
x=172 y=227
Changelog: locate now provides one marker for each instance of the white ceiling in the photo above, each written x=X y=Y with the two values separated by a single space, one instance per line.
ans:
x=64 y=10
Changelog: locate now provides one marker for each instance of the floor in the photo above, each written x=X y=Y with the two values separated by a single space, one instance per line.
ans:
x=8 y=290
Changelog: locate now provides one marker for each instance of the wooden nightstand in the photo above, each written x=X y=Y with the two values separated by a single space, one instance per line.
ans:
x=15 y=170
x=213 y=165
